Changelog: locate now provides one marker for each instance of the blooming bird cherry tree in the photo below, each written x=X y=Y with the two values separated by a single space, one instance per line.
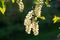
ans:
x=31 y=19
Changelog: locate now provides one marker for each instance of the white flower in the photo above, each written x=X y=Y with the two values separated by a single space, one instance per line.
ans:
x=35 y=28
x=31 y=22
x=37 y=10
x=27 y=22
x=30 y=14
x=28 y=29
x=21 y=5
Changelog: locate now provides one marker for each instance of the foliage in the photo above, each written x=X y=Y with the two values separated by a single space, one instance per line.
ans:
x=55 y=19
x=13 y=1
x=3 y=8
x=47 y=3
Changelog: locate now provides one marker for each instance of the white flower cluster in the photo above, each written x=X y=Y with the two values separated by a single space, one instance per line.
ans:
x=21 y=5
x=27 y=21
x=35 y=27
x=31 y=22
x=38 y=8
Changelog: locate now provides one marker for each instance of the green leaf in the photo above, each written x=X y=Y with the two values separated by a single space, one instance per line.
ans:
x=36 y=1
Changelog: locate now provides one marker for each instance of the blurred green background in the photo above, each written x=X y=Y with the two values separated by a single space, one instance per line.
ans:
x=12 y=22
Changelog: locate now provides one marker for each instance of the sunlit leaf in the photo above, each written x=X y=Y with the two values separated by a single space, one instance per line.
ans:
x=3 y=8
x=36 y=1
x=56 y=19
x=47 y=3
x=13 y=1
x=42 y=17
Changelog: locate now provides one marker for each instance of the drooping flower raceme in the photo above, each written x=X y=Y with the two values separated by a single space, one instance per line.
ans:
x=38 y=8
x=35 y=28
x=31 y=22
x=21 y=5
x=27 y=21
